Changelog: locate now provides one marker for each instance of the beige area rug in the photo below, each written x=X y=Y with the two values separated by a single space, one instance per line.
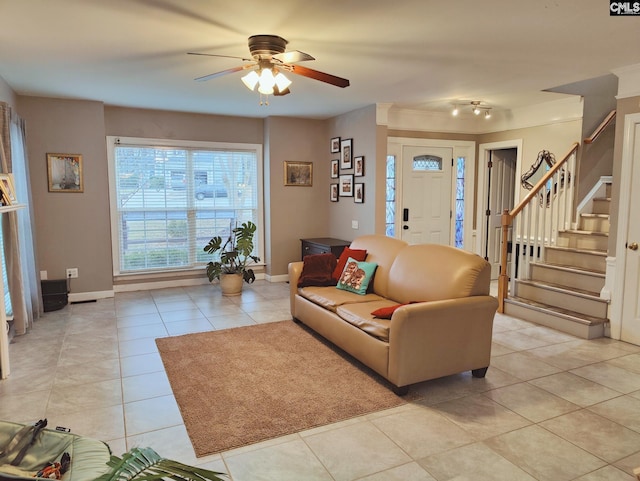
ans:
x=248 y=384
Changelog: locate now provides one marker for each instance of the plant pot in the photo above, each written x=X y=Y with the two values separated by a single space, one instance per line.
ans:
x=231 y=284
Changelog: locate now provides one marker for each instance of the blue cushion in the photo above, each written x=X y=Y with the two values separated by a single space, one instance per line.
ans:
x=356 y=276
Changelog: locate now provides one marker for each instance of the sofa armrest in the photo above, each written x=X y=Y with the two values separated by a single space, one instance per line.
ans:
x=295 y=269
x=439 y=338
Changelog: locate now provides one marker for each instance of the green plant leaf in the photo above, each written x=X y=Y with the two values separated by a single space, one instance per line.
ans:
x=144 y=464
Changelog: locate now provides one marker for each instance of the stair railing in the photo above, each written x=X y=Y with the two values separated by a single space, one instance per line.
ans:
x=600 y=128
x=534 y=223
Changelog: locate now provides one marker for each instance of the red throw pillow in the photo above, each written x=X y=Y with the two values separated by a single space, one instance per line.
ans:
x=356 y=254
x=386 y=312
x=317 y=270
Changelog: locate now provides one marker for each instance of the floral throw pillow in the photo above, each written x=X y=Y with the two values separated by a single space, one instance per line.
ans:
x=356 y=276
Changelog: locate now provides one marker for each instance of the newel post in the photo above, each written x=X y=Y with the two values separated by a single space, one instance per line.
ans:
x=503 y=279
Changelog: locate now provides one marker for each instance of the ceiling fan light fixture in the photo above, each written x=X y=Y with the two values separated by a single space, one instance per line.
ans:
x=487 y=114
x=282 y=82
x=455 y=111
x=251 y=79
x=267 y=80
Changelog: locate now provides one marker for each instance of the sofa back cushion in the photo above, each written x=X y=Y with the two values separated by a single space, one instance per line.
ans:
x=381 y=250
x=430 y=272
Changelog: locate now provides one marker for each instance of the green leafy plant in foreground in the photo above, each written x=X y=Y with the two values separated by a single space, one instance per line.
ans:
x=145 y=464
x=235 y=253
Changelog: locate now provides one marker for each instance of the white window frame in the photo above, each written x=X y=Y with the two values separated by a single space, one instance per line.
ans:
x=113 y=141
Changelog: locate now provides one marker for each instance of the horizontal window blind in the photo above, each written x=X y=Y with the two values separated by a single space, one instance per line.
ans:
x=171 y=201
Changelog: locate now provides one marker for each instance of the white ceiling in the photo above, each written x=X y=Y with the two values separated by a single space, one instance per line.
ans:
x=420 y=54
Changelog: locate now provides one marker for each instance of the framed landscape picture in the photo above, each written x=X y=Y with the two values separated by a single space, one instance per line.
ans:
x=346 y=185
x=298 y=173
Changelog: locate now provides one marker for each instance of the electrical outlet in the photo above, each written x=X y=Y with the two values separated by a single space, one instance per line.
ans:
x=72 y=273
x=43 y=275
x=354 y=224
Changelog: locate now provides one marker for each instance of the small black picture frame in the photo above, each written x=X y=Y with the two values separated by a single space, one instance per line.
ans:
x=358 y=166
x=335 y=169
x=358 y=193
x=334 y=194
x=335 y=145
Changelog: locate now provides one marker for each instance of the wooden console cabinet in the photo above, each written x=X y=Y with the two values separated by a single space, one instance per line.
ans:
x=323 y=245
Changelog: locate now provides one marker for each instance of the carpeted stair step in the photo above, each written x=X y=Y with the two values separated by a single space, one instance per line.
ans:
x=576 y=324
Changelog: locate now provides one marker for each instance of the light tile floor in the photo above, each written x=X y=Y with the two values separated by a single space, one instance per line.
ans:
x=552 y=407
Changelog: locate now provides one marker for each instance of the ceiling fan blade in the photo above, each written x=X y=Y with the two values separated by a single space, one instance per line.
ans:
x=223 y=72
x=293 y=56
x=316 y=75
x=216 y=55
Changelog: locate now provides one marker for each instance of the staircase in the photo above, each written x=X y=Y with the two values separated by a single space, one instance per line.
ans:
x=563 y=290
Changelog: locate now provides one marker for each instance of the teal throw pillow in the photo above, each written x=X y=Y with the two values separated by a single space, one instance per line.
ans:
x=356 y=276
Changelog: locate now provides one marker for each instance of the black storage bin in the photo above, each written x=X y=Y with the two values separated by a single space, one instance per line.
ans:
x=54 y=294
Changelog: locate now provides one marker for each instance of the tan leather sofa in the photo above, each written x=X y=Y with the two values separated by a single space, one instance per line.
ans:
x=444 y=328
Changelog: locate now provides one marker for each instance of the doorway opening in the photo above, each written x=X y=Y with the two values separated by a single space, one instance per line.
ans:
x=498 y=175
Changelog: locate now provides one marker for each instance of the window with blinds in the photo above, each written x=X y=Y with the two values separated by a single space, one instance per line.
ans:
x=5 y=280
x=171 y=199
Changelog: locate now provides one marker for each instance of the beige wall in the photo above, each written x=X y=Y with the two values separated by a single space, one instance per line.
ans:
x=159 y=124
x=72 y=229
x=556 y=138
x=294 y=212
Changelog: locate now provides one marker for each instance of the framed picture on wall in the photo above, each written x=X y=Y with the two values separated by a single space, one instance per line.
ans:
x=333 y=196
x=335 y=145
x=358 y=166
x=7 y=189
x=335 y=172
x=345 y=188
x=358 y=193
x=65 y=173
x=346 y=152
x=298 y=173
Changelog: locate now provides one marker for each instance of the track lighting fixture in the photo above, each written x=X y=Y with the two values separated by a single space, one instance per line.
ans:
x=476 y=107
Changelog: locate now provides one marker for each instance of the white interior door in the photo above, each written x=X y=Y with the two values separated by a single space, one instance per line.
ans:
x=426 y=195
x=501 y=179
x=631 y=293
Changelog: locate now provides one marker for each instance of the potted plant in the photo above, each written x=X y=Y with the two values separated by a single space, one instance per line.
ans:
x=234 y=258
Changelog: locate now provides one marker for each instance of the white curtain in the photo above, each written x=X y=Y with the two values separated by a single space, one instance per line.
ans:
x=17 y=226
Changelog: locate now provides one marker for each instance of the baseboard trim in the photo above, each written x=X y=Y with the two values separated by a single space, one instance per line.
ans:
x=278 y=278
x=89 y=296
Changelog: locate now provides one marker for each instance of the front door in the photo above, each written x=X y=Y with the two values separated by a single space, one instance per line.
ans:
x=631 y=292
x=426 y=195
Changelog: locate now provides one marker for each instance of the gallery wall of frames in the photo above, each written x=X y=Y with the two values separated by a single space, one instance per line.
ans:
x=346 y=171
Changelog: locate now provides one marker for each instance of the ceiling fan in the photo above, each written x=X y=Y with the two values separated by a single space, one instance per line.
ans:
x=268 y=60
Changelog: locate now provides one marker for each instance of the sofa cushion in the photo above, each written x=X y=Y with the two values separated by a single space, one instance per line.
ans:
x=382 y=250
x=330 y=297
x=357 y=254
x=317 y=270
x=356 y=276
x=433 y=272
x=360 y=316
